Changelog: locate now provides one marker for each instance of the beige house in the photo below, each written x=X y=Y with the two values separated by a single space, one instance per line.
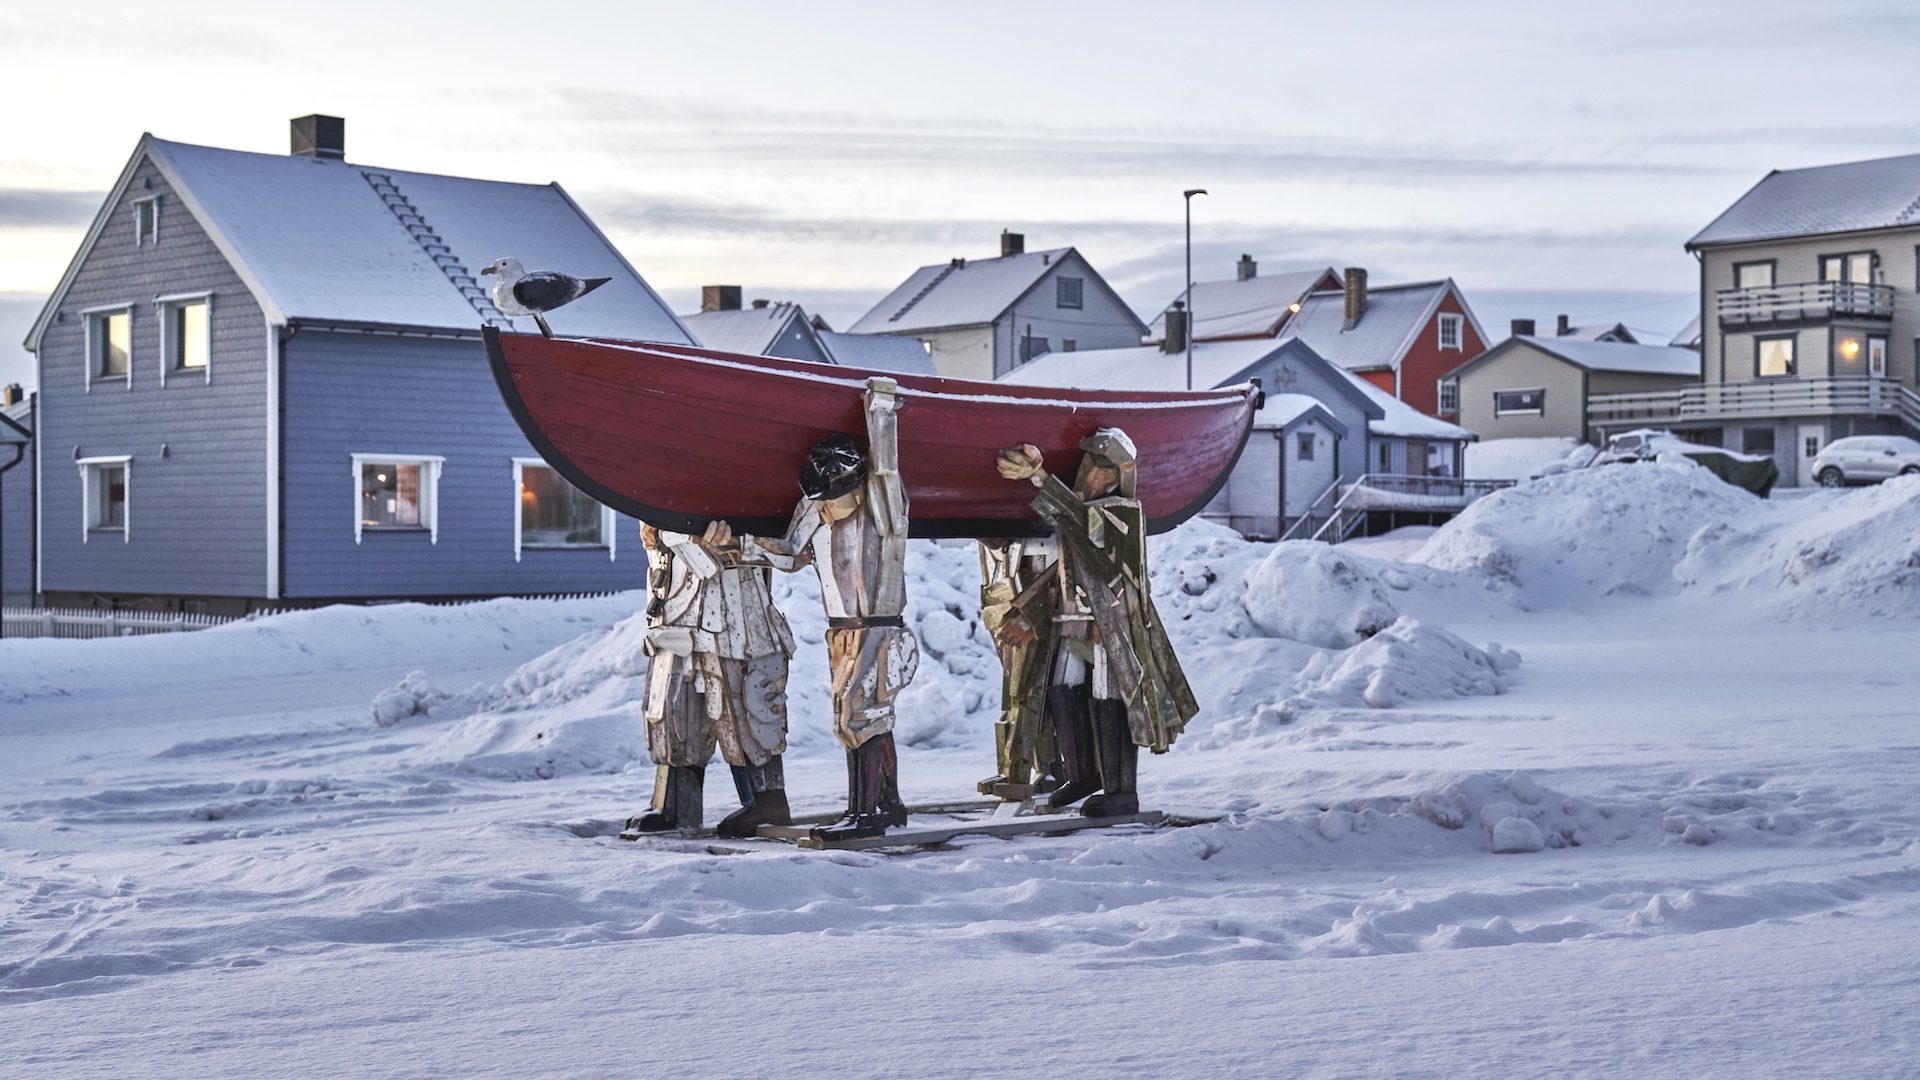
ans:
x=1538 y=387
x=1808 y=315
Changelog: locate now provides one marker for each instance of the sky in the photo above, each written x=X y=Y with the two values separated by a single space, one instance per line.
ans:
x=1550 y=158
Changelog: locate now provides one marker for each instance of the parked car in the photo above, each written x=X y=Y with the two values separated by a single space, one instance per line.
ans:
x=1866 y=459
x=1754 y=472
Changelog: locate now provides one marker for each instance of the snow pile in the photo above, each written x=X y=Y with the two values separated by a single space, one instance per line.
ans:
x=415 y=696
x=1562 y=540
x=1831 y=554
x=1518 y=459
x=1309 y=592
x=1408 y=661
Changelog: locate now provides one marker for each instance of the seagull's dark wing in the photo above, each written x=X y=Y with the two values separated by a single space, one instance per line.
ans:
x=546 y=290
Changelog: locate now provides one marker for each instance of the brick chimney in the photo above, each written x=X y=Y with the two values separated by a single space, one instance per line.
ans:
x=1564 y=329
x=1012 y=243
x=1247 y=268
x=1356 y=296
x=760 y=305
x=319 y=136
x=1523 y=328
x=720 y=298
x=1175 y=339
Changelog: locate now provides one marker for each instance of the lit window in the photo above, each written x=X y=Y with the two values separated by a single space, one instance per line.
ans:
x=555 y=514
x=1449 y=331
x=104 y=487
x=1849 y=353
x=1773 y=357
x=146 y=221
x=1519 y=402
x=188 y=343
x=396 y=493
x=110 y=344
x=1304 y=447
x=1067 y=291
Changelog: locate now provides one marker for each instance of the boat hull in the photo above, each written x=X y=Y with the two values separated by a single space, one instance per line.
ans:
x=679 y=437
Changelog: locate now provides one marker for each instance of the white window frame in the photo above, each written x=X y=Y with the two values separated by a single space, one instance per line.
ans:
x=430 y=467
x=1541 y=411
x=90 y=496
x=141 y=238
x=608 y=524
x=1448 y=322
x=93 y=317
x=1448 y=395
x=169 y=348
x=1059 y=292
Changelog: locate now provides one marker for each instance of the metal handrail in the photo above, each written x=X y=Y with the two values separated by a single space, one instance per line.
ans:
x=1332 y=490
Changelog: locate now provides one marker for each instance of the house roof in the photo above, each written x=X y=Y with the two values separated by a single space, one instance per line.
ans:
x=880 y=352
x=1609 y=356
x=1689 y=335
x=12 y=432
x=316 y=242
x=1600 y=332
x=965 y=292
x=1850 y=197
x=1282 y=411
x=1236 y=308
x=1394 y=317
x=749 y=330
x=1222 y=363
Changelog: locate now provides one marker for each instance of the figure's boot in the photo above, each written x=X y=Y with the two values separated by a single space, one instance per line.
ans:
x=1049 y=778
x=1119 y=763
x=677 y=791
x=872 y=765
x=765 y=801
x=1072 y=732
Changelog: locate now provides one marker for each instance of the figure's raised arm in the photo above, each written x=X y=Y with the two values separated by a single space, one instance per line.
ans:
x=790 y=552
x=883 y=456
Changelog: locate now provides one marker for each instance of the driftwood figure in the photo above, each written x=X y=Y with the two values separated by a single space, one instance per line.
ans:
x=851 y=525
x=717 y=673
x=1023 y=743
x=1114 y=683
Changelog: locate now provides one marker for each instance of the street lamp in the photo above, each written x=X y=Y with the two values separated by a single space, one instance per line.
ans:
x=1188 y=196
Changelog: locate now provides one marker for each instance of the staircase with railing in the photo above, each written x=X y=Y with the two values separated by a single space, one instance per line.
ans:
x=1339 y=512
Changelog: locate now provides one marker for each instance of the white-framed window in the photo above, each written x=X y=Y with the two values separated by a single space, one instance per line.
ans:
x=186 y=335
x=1068 y=292
x=1520 y=402
x=1450 y=331
x=396 y=493
x=146 y=221
x=104 y=484
x=1773 y=357
x=1449 y=396
x=1877 y=356
x=109 y=344
x=551 y=514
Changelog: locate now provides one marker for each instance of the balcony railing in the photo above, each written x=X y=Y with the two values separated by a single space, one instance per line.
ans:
x=1760 y=398
x=1811 y=301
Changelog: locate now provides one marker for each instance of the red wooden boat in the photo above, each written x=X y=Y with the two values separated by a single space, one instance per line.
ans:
x=678 y=436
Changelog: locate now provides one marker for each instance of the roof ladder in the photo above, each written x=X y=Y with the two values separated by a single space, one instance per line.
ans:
x=930 y=286
x=435 y=248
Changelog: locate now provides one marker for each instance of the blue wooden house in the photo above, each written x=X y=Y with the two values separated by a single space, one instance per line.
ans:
x=262 y=382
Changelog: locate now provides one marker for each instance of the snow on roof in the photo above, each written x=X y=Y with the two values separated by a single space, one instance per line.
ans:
x=1620 y=357
x=967 y=292
x=1826 y=199
x=1238 y=308
x=751 y=331
x=1689 y=335
x=1403 y=420
x=323 y=245
x=1283 y=409
x=1142 y=367
x=881 y=352
x=1600 y=332
x=1395 y=313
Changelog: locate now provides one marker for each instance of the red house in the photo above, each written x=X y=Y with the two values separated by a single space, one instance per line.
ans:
x=1401 y=338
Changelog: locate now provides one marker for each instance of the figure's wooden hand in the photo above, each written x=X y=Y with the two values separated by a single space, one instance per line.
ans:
x=718 y=535
x=1021 y=462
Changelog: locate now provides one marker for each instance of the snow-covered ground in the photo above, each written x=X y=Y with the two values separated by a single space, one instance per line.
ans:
x=1614 y=775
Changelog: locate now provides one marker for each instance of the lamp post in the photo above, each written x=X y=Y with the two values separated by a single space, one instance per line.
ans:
x=1188 y=196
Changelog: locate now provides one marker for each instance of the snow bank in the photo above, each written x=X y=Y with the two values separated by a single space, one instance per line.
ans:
x=1309 y=592
x=1516 y=459
x=1407 y=661
x=1612 y=530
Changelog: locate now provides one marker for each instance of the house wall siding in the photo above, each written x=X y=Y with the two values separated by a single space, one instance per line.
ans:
x=1523 y=367
x=1426 y=363
x=1798 y=261
x=197 y=500
x=966 y=353
x=1101 y=322
x=16 y=521
x=369 y=394
x=797 y=341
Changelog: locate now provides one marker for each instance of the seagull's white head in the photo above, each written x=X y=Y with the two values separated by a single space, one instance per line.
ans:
x=508 y=268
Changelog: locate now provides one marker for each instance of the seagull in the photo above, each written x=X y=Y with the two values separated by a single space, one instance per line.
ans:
x=516 y=292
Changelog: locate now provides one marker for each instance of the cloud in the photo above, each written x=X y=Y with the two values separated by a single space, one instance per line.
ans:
x=40 y=208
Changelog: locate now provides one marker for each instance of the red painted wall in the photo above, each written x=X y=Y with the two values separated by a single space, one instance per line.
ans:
x=1382 y=379
x=1425 y=361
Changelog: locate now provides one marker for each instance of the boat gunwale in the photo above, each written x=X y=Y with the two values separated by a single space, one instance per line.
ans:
x=923 y=528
